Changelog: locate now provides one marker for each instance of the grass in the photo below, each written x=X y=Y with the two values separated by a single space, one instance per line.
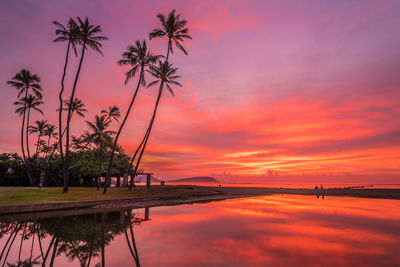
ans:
x=26 y=195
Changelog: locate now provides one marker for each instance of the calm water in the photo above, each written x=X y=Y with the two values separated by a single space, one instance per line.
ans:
x=274 y=230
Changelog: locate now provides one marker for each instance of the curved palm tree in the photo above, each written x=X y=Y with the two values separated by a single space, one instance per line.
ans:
x=166 y=76
x=23 y=81
x=70 y=34
x=32 y=103
x=174 y=29
x=39 y=128
x=100 y=136
x=87 y=38
x=139 y=58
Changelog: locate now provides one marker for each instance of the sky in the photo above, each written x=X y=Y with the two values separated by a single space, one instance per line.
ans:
x=271 y=89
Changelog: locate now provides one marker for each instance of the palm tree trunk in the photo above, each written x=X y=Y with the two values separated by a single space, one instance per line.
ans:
x=108 y=176
x=12 y=242
x=40 y=242
x=169 y=48
x=149 y=129
x=134 y=247
x=102 y=241
x=16 y=229
x=22 y=143
x=48 y=251
x=37 y=146
x=100 y=165
x=66 y=177
x=27 y=146
x=53 y=255
x=132 y=184
x=20 y=247
x=33 y=242
x=61 y=108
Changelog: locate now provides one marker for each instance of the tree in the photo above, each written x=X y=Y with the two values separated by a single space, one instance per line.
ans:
x=50 y=131
x=70 y=34
x=39 y=128
x=166 y=76
x=113 y=113
x=139 y=58
x=23 y=81
x=25 y=106
x=174 y=29
x=87 y=38
x=100 y=136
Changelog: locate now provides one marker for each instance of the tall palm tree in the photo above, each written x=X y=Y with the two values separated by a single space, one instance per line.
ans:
x=39 y=128
x=139 y=58
x=32 y=103
x=23 y=81
x=166 y=76
x=100 y=136
x=87 y=38
x=69 y=34
x=25 y=105
x=174 y=29
x=77 y=107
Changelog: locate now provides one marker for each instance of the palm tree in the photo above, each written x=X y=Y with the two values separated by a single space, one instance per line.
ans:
x=50 y=132
x=100 y=136
x=139 y=58
x=25 y=106
x=87 y=38
x=113 y=113
x=166 y=76
x=174 y=29
x=77 y=107
x=39 y=128
x=23 y=81
x=70 y=34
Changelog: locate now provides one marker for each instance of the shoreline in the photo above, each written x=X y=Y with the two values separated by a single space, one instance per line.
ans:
x=202 y=194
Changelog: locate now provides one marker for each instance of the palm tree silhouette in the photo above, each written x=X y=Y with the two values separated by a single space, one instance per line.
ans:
x=139 y=58
x=113 y=113
x=166 y=76
x=39 y=128
x=50 y=132
x=87 y=38
x=100 y=136
x=23 y=81
x=70 y=34
x=174 y=28
x=25 y=105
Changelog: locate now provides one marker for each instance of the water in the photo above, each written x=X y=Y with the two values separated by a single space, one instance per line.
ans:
x=275 y=230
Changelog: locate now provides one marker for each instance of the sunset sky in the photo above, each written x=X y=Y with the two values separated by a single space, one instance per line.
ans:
x=270 y=87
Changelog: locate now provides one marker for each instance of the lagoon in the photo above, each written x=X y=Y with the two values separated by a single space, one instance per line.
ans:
x=276 y=230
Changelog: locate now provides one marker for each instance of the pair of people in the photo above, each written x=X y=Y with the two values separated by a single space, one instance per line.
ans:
x=316 y=187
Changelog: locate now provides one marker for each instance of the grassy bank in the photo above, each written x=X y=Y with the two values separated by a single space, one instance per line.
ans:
x=26 y=195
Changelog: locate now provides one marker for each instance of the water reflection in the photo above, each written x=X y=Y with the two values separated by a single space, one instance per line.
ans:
x=277 y=230
x=82 y=238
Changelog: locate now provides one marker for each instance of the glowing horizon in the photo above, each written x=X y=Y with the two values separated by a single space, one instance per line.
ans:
x=269 y=87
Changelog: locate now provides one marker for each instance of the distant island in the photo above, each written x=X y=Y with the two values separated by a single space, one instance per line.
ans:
x=199 y=179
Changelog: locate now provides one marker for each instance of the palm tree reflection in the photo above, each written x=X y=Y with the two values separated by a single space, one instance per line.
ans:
x=80 y=237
